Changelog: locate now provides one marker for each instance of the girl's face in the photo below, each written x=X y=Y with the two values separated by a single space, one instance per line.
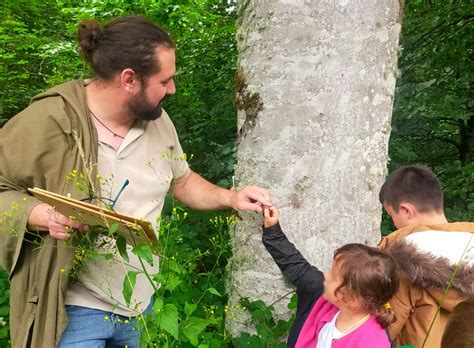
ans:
x=332 y=280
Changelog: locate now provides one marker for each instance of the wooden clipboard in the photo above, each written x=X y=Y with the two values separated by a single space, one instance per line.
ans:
x=135 y=231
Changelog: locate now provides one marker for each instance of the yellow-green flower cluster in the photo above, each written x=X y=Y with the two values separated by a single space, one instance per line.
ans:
x=220 y=221
x=10 y=220
x=235 y=312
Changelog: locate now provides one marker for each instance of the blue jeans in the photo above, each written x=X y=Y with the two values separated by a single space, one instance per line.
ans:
x=93 y=328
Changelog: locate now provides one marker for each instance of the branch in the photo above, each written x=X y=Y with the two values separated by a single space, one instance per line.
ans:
x=445 y=140
x=435 y=28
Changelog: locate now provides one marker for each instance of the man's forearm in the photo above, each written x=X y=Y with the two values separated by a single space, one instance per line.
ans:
x=196 y=192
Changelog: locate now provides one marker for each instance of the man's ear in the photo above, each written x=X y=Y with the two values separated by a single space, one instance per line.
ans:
x=128 y=80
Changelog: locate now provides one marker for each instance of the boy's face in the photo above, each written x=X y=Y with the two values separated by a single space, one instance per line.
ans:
x=401 y=218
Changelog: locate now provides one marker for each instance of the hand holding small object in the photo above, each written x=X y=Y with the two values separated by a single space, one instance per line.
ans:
x=271 y=216
x=251 y=198
x=60 y=227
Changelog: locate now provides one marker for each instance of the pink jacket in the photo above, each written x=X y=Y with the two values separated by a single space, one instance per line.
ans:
x=368 y=335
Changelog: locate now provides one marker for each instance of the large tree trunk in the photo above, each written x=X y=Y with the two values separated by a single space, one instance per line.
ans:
x=315 y=92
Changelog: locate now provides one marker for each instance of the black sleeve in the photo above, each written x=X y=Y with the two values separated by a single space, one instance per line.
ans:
x=309 y=280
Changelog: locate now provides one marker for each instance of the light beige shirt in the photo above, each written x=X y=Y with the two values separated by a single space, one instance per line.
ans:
x=150 y=157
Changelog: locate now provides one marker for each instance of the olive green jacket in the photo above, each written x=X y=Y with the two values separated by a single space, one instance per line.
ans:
x=40 y=147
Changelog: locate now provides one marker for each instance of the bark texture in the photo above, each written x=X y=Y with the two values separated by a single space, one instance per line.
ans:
x=315 y=90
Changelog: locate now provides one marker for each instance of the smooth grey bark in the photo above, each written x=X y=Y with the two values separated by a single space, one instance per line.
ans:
x=314 y=92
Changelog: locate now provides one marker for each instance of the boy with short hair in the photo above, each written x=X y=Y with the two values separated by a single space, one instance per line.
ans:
x=428 y=248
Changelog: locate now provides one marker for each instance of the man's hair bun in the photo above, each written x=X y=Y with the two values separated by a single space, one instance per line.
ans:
x=88 y=34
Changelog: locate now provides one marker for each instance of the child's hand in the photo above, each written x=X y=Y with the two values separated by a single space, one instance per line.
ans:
x=271 y=216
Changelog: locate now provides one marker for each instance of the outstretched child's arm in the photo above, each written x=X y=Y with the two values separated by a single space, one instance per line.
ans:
x=307 y=278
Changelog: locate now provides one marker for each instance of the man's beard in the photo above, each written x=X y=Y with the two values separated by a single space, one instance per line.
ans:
x=140 y=108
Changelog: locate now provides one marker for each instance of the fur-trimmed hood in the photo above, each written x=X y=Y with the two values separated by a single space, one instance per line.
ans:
x=424 y=270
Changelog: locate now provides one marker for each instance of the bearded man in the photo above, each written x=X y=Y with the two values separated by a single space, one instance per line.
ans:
x=113 y=131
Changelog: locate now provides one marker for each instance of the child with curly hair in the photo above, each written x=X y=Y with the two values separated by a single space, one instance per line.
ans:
x=345 y=307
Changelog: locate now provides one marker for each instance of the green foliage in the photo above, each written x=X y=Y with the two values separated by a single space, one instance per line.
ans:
x=189 y=307
x=433 y=118
x=270 y=332
x=433 y=104
x=144 y=252
x=458 y=190
x=36 y=50
x=206 y=58
x=4 y=309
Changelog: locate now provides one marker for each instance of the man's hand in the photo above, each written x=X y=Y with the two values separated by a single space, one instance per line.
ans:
x=271 y=216
x=251 y=198
x=59 y=226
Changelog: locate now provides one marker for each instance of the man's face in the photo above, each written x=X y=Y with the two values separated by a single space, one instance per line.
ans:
x=400 y=219
x=146 y=104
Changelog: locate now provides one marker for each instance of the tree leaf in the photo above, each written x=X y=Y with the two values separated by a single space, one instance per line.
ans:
x=293 y=301
x=113 y=228
x=157 y=305
x=128 y=285
x=122 y=247
x=214 y=292
x=193 y=327
x=168 y=319
x=144 y=252
x=171 y=282
x=189 y=308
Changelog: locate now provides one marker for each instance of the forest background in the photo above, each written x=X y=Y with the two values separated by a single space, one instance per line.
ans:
x=432 y=123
